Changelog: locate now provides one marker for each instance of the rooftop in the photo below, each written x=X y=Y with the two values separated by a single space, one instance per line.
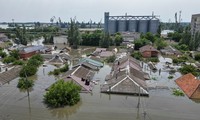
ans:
x=189 y=84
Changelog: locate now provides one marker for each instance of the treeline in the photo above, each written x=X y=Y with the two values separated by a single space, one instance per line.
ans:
x=149 y=38
x=186 y=41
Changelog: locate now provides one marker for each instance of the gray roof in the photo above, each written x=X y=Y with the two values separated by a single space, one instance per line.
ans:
x=33 y=48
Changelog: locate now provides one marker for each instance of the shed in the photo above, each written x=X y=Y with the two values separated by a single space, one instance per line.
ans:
x=148 y=51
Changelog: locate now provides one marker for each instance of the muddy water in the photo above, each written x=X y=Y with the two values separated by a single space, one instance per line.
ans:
x=161 y=105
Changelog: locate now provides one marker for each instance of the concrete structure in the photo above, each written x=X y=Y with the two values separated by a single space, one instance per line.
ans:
x=195 y=24
x=141 y=24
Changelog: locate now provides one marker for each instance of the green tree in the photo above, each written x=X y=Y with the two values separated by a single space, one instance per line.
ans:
x=25 y=84
x=105 y=40
x=62 y=93
x=28 y=71
x=186 y=37
x=137 y=55
x=73 y=34
x=196 y=41
x=118 y=40
x=141 y=42
x=15 y=54
x=160 y=43
x=149 y=36
x=159 y=30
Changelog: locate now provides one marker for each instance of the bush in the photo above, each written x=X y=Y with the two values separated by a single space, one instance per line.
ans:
x=65 y=68
x=62 y=93
x=153 y=59
x=170 y=77
x=180 y=59
x=189 y=69
x=37 y=57
x=178 y=92
x=25 y=84
x=136 y=55
x=3 y=54
x=8 y=59
x=15 y=54
x=197 y=57
x=58 y=71
x=18 y=62
x=111 y=59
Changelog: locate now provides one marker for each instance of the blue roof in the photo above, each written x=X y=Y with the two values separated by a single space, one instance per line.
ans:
x=93 y=62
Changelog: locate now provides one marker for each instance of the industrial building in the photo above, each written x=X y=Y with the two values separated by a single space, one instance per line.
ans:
x=195 y=24
x=141 y=24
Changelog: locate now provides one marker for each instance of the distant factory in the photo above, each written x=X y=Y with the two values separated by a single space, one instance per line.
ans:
x=141 y=24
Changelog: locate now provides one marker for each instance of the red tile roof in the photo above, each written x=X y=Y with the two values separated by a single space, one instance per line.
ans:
x=188 y=83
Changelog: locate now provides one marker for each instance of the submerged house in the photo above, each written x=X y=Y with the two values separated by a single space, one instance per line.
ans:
x=29 y=51
x=190 y=85
x=90 y=63
x=102 y=52
x=81 y=76
x=83 y=73
x=126 y=77
x=148 y=51
x=56 y=59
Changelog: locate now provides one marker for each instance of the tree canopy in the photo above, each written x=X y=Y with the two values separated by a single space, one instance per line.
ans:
x=62 y=93
x=73 y=34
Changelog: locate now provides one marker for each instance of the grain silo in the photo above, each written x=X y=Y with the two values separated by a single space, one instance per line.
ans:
x=112 y=26
x=133 y=25
x=153 y=26
x=121 y=25
x=143 y=26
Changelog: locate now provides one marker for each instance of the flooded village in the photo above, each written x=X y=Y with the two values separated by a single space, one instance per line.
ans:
x=140 y=93
x=142 y=75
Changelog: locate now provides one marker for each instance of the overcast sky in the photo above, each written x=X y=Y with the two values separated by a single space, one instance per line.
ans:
x=84 y=10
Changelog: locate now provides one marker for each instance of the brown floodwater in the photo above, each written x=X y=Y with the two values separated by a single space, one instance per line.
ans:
x=160 y=105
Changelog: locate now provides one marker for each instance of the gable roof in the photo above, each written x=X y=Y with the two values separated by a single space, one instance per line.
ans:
x=126 y=77
x=91 y=61
x=32 y=49
x=148 y=48
x=188 y=83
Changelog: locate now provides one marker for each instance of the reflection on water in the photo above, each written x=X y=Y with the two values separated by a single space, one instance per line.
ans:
x=65 y=112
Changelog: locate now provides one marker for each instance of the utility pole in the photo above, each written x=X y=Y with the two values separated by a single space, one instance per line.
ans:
x=138 y=105
x=26 y=84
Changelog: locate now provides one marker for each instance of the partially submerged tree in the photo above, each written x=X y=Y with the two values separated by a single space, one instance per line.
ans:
x=62 y=93
x=25 y=83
